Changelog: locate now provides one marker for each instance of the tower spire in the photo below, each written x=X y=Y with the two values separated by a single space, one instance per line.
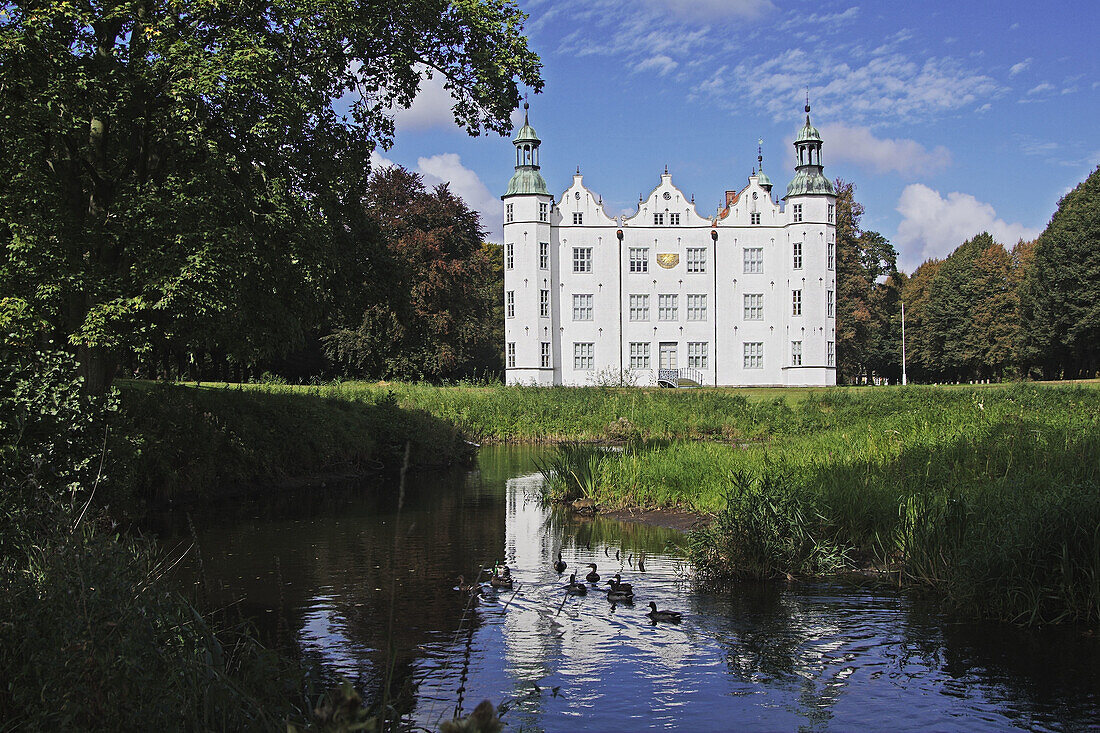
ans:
x=527 y=179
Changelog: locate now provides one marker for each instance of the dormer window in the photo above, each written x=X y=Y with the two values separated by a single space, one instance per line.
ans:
x=754 y=217
x=658 y=219
x=578 y=217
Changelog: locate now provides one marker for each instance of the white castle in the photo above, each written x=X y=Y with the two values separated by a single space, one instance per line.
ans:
x=666 y=296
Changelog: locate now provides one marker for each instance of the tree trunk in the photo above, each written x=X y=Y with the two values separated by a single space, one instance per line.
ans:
x=98 y=367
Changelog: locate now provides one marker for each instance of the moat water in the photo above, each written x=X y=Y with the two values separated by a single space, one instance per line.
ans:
x=350 y=581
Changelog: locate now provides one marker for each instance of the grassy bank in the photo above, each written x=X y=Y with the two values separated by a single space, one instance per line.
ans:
x=176 y=441
x=991 y=496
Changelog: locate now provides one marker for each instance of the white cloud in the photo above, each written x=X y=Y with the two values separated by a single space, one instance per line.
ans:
x=660 y=63
x=715 y=9
x=882 y=155
x=448 y=168
x=933 y=225
x=1017 y=68
x=431 y=108
x=1040 y=88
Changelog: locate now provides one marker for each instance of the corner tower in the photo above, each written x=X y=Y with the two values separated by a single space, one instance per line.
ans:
x=810 y=243
x=531 y=352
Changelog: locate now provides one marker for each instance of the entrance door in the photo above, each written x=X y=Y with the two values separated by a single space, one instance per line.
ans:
x=668 y=355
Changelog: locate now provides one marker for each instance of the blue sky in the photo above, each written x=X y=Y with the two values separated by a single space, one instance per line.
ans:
x=950 y=118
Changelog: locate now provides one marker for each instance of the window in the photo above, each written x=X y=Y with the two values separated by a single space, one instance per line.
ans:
x=831 y=209
x=511 y=354
x=582 y=307
x=639 y=355
x=509 y=256
x=666 y=308
x=830 y=353
x=796 y=302
x=754 y=217
x=696 y=259
x=578 y=217
x=697 y=307
x=697 y=355
x=544 y=212
x=797 y=262
x=674 y=219
x=829 y=303
x=754 y=306
x=796 y=353
x=754 y=355
x=544 y=304
x=509 y=217
x=582 y=259
x=659 y=219
x=582 y=356
x=754 y=260
x=510 y=303
x=831 y=255
x=639 y=307
x=544 y=255
x=544 y=357
x=798 y=212
x=639 y=259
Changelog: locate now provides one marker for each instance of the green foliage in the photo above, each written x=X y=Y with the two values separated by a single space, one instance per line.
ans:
x=52 y=438
x=431 y=306
x=572 y=471
x=767 y=529
x=868 y=331
x=207 y=441
x=93 y=639
x=1060 y=293
x=176 y=174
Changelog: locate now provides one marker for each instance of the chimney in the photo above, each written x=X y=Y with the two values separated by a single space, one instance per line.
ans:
x=731 y=198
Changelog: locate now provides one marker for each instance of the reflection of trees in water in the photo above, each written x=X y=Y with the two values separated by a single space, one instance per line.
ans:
x=325 y=566
x=1048 y=677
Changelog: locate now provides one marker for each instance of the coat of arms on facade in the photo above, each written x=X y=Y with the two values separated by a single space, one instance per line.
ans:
x=668 y=260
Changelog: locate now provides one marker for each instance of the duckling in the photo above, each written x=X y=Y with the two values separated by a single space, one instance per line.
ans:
x=559 y=566
x=670 y=616
x=575 y=588
x=592 y=577
x=617 y=584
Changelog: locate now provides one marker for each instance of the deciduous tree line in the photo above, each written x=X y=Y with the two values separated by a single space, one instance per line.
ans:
x=983 y=312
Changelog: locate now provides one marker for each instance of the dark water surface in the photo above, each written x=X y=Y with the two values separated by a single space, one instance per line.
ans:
x=319 y=573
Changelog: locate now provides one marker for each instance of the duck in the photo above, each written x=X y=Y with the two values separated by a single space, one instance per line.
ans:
x=620 y=596
x=559 y=566
x=670 y=616
x=592 y=577
x=502 y=577
x=617 y=584
x=575 y=588
x=465 y=587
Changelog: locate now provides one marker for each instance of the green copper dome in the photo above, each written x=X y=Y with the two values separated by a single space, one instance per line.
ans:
x=808 y=133
x=527 y=180
x=809 y=181
x=762 y=179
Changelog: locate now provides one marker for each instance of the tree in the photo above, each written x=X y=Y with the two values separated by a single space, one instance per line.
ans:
x=866 y=307
x=950 y=320
x=433 y=302
x=1061 y=294
x=917 y=294
x=994 y=315
x=167 y=165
